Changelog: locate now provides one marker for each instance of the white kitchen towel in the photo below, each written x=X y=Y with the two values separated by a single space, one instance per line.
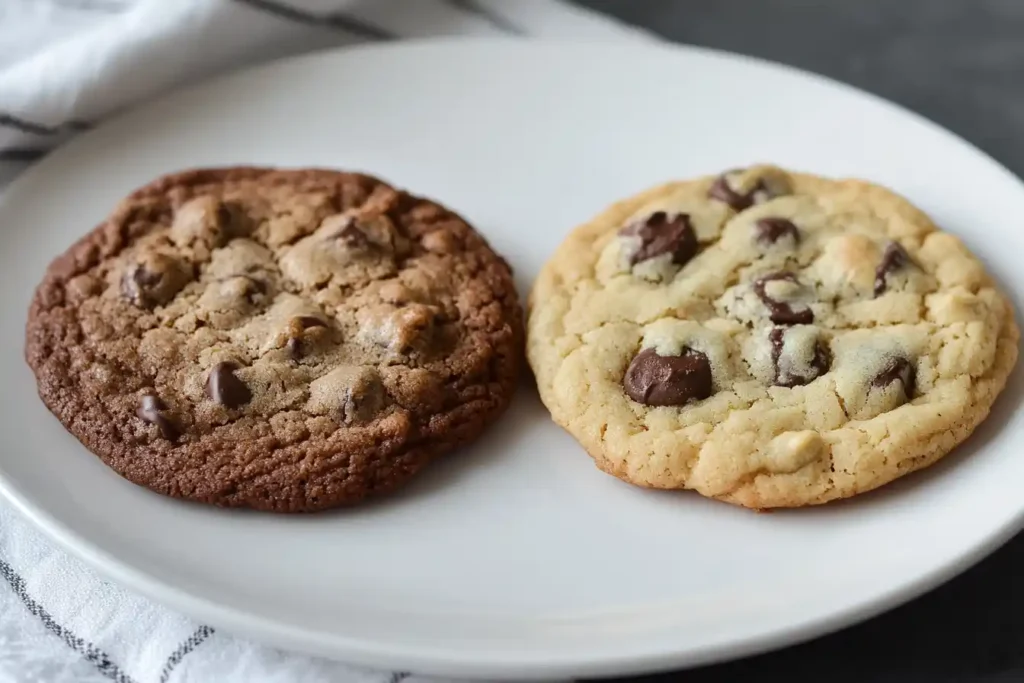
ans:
x=65 y=65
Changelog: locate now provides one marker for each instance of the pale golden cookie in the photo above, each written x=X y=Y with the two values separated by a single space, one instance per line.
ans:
x=770 y=339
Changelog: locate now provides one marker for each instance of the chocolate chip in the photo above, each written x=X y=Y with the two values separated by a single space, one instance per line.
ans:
x=822 y=359
x=781 y=312
x=151 y=410
x=225 y=215
x=363 y=398
x=138 y=284
x=897 y=369
x=668 y=380
x=724 y=192
x=894 y=258
x=768 y=231
x=225 y=388
x=296 y=330
x=153 y=279
x=353 y=236
x=775 y=336
x=721 y=191
x=350 y=235
x=787 y=378
x=661 y=233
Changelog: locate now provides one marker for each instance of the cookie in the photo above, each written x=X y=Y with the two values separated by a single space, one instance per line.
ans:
x=286 y=340
x=766 y=338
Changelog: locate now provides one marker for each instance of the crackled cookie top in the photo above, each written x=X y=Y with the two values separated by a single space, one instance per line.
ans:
x=768 y=338
x=286 y=340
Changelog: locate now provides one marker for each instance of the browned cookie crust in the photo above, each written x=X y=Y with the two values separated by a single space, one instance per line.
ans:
x=280 y=340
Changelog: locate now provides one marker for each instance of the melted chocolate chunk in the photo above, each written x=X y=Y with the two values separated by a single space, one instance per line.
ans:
x=780 y=312
x=351 y=235
x=768 y=231
x=897 y=370
x=225 y=215
x=668 y=380
x=776 y=338
x=723 y=192
x=894 y=258
x=151 y=410
x=153 y=279
x=821 y=361
x=660 y=234
x=296 y=330
x=139 y=285
x=225 y=388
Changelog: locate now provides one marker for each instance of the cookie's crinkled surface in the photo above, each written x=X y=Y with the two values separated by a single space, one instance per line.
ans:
x=848 y=340
x=282 y=340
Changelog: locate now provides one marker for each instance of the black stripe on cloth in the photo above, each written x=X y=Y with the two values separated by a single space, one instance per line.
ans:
x=193 y=641
x=22 y=154
x=19 y=124
x=90 y=652
x=336 y=20
x=493 y=18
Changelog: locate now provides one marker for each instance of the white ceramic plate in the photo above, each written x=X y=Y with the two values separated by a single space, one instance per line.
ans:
x=517 y=557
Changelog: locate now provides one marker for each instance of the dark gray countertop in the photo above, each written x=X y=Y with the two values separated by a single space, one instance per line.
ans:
x=960 y=63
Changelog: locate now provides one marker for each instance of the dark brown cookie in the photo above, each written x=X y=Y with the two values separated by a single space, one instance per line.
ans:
x=281 y=340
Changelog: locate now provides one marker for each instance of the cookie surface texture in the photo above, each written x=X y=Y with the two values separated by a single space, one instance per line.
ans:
x=280 y=340
x=767 y=338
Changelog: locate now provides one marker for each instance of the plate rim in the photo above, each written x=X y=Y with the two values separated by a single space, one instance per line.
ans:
x=421 y=661
x=431 y=660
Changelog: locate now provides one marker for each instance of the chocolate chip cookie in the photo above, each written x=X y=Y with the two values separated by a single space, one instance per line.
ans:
x=274 y=339
x=767 y=338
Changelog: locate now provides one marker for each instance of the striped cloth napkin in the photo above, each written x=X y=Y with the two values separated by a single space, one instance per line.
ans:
x=65 y=65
